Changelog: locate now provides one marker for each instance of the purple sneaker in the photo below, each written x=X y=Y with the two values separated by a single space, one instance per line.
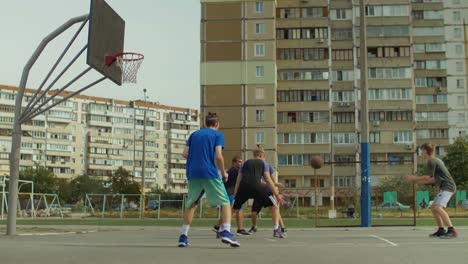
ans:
x=278 y=233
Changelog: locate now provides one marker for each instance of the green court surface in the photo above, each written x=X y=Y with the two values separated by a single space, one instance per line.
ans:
x=151 y=244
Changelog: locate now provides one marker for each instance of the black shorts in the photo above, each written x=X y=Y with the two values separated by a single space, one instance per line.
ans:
x=260 y=194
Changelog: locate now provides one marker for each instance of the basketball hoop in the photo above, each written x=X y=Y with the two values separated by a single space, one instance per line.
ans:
x=129 y=63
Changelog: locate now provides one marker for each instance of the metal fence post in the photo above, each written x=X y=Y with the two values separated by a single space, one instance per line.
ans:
x=103 y=206
x=122 y=206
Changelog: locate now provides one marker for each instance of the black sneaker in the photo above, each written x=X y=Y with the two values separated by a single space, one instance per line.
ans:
x=215 y=229
x=438 y=233
x=450 y=234
x=242 y=232
x=253 y=230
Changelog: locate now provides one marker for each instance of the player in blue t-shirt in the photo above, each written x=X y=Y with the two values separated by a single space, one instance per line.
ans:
x=205 y=148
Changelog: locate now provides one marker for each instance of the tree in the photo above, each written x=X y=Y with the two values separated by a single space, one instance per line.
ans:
x=64 y=191
x=82 y=185
x=122 y=182
x=456 y=161
x=44 y=180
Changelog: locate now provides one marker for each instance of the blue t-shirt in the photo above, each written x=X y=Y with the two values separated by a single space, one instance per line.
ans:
x=202 y=150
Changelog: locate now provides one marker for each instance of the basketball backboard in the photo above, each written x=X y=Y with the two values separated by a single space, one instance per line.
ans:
x=106 y=37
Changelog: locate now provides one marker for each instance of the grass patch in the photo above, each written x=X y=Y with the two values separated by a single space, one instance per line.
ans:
x=296 y=223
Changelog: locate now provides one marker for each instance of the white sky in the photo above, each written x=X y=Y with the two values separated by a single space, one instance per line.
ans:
x=165 y=31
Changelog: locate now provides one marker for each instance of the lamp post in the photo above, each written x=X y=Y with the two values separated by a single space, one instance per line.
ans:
x=142 y=204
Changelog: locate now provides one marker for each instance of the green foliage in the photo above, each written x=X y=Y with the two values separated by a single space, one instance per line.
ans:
x=167 y=195
x=64 y=191
x=456 y=161
x=122 y=182
x=44 y=180
x=84 y=184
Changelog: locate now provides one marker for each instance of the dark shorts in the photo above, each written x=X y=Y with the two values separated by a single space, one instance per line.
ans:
x=258 y=204
x=260 y=194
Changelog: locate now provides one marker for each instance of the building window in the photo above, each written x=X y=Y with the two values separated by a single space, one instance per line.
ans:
x=259 y=28
x=342 y=34
x=343 y=117
x=260 y=71
x=457 y=32
x=460 y=100
x=340 y=14
x=290 y=13
x=259 y=49
x=389 y=73
x=460 y=84
x=314 y=12
x=344 y=138
x=290 y=183
x=259 y=137
x=402 y=137
x=461 y=117
x=259 y=93
x=321 y=183
x=302 y=33
x=259 y=7
x=456 y=16
x=260 y=115
x=374 y=137
x=459 y=66
x=342 y=55
x=459 y=50
x=344 y=181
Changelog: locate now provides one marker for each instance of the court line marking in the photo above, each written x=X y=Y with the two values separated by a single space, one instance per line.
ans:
x=55 y=234
x=268 y=239
x=385 y=240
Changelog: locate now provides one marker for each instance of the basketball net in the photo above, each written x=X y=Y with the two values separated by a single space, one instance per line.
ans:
x=129 y=63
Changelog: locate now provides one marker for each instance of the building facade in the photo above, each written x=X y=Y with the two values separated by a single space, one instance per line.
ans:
x=307 y=54
x=95 y=136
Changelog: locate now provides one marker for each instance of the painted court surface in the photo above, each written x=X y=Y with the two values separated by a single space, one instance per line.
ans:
x=158 y=245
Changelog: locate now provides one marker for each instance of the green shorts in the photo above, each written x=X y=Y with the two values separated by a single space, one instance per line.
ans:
x=213 y=188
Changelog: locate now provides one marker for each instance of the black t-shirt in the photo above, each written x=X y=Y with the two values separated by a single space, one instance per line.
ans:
x=252 y=172
x=230 y=184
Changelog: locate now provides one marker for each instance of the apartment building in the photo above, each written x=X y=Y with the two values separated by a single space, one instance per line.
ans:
x=416 y=86
x=95 y=135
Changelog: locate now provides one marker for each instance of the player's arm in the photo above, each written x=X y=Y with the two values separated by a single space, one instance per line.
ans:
x=270 y=182
x=428 y=178
x=425 y=179
x=185 y=152
x=219 y=159
x=238 y=180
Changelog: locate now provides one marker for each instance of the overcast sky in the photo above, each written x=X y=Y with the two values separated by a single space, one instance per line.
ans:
x=165 y=31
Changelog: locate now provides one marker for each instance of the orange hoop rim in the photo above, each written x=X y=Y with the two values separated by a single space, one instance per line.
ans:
x=125 y=57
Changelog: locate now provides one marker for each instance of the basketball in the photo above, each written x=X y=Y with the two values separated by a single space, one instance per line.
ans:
x=316 y=162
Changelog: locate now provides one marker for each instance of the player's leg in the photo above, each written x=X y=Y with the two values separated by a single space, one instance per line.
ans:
x=220 y=220
x=217 y=196
x=195 y=192
x=240 y=223
x=255 y=211
x=439 y=204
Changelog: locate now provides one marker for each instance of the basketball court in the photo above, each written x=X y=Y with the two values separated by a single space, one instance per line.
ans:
x=158 y=245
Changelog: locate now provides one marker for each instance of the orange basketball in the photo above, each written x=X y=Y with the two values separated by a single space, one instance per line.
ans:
x=316 y=162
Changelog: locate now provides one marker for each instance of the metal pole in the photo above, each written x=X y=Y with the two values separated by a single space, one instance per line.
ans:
x=365 y=151
x=103 y=206
x=142 y=204
x=316 y=197
x=159 y=206
x=121 y=206
x=3 y=195
x=32 y=193
x=332 y=167
x=16 y=132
